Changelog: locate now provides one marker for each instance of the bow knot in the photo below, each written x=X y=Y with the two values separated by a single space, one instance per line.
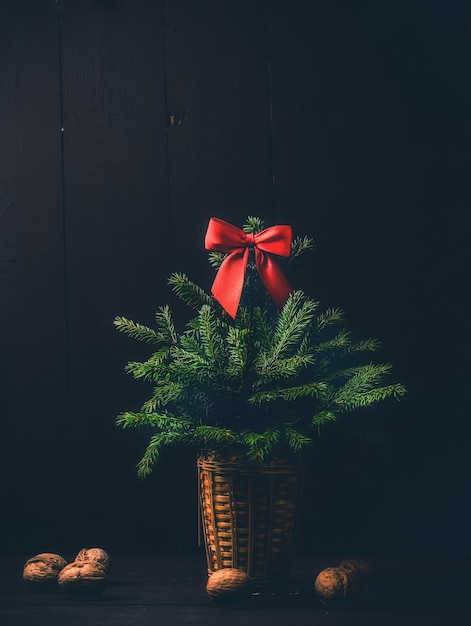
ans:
x=250 y=239
x=227 y=287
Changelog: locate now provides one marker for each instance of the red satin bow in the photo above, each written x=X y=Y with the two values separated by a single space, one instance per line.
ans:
x=227 y=287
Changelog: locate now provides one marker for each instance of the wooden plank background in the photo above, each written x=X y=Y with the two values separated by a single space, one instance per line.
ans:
x=33 y=318
x=124 y=126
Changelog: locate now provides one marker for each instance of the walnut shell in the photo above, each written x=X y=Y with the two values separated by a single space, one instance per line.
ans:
x=362 y=567
x=332 y=585
x=43 y=569
x=228 y=585
x=83 y=577
x=357 y=572
x=94 y=554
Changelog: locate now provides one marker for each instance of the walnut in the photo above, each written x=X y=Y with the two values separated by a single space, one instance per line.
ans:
x=337 y=584
x=83 y=577
x=43 y=569
x=332 y=585
x=362 y=567
x=357 y=572
x=228 y=585
x=94 y=554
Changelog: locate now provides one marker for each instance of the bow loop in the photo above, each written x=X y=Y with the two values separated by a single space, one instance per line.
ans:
x=228 y=284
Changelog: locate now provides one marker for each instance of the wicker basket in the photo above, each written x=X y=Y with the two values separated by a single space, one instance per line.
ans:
x=249 y=514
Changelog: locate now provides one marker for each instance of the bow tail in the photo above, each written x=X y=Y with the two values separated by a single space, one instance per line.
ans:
x=228 y=284
x=273 y=278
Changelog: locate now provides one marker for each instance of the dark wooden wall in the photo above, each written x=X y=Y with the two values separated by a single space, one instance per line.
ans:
x=124 y=126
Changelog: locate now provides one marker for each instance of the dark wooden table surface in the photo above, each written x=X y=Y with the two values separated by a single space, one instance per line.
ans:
x=152 y=590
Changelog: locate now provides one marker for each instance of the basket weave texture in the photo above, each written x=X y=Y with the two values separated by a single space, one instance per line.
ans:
x=249 y=514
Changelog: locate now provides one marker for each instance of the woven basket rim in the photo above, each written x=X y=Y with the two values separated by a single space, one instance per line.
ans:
x=241 y=465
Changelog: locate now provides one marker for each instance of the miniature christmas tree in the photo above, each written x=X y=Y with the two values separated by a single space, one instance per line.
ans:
x=256 y=378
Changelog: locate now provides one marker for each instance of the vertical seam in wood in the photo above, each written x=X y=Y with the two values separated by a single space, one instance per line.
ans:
x=167 y=146
x=270 y=112
x=63 y=213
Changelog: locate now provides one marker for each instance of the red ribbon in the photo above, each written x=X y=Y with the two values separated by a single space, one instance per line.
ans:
x=227 y=287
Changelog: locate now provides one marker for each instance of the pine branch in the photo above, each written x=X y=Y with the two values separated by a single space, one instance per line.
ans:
x=238 y=352
x=262 y=329
x=214 y=434
x=310 y=390
x=294 y=322
x=370 y=397
x=150 y=406
x=164 y=319
x=189 y=365
x=347 y=373
x=296 y=440
x=165 y=394
x=131 y=419
x=150 y=369
x=209 y=335
x=193 y=369
x=253 y=225
x=216 y=259
x=366 y=345
x=270 y=369
x=260 y=445
x=323 y=417
x=154 y=449
x=188 y=292
x=340 y=341
x=365 y=378
x=329 y=317
x=137 y=331
x=299 y=246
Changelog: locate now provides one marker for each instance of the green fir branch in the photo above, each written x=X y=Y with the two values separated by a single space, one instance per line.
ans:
x=210 y=335
x=150 y=369
x=189 y=365
x=366 y=345
x=293 y=323
x=366 y=398
x=262 y=329
x=341 y=341
x=164 y=394
x=296 y=440
x=208 y=435
x=164 y=421
x=290 y=394
x=260 y=445
x=164 y=319
x=270 y=369
x=137 y=331
x=363 y=380
x=321 y=418
x=216 y=259
x=253 y=225
x=154 y=450
x=329 y=317
x=189 y=292
x=299 y=246
x=238 y=352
